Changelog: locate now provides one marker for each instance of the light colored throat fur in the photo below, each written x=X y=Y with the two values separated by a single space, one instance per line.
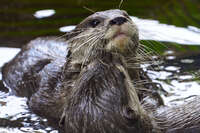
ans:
x=120 y=37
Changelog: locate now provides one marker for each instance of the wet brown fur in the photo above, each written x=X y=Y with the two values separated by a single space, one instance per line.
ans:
x=100 y=100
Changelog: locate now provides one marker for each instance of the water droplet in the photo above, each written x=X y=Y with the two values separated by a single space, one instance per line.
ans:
x=66 y=28
x=187 y=61
x=172 y=68
x=170 y=57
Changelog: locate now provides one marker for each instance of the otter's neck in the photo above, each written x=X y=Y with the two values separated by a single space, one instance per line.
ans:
x=100 y=102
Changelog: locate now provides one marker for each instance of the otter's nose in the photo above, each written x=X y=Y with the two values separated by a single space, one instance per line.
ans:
x=118 y=21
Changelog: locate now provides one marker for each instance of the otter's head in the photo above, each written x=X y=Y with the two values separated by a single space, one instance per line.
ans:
x=112 y=30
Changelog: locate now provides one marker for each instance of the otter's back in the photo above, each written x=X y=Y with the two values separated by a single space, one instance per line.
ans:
x=36 y=61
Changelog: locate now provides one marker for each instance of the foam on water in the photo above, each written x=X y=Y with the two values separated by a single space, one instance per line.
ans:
x=7 y=54
x=44 y=13
x=13 y=105
x=154 y=30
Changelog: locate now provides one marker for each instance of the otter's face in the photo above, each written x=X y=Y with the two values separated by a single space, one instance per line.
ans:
x=112 y=30
x=121 y=33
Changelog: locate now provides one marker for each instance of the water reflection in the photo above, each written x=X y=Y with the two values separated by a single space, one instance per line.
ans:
x=172 y=68
x=193 y=28
x=7 y=54
x=188 y=61
x=153 y=30
x=180 y=91
x=176 y=75
x=170 y=57
x=67 y=28
x=169 y=52
x=186 y=77
x=44 y=13
x=10 y=130
x=12 y=106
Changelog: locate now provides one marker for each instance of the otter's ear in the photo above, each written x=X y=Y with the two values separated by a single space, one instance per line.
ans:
x=62 y=119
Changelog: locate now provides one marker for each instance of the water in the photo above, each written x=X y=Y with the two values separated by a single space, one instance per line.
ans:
x=179 y=74
x=44 y=13
x=153 y=30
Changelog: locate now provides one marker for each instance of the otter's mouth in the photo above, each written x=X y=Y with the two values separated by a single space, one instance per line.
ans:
x=119 y=35
x=119 y=40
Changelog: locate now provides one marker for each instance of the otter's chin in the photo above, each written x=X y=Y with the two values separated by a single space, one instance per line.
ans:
x=119 y=43
x=120 y=37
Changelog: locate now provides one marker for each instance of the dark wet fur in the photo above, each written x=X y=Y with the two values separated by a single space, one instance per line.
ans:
x=99 y=102
x=32 y=64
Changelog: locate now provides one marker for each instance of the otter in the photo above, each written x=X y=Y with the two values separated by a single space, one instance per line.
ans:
x=44 y=57
x=103 y=99
x=47 y=68
x=85 y=80
x=109 y=103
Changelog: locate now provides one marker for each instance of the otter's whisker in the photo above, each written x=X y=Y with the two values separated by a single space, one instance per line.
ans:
x=120 y=4
x=147 y=49
x=152 y=43
x=91 y=38
x=145 y=53
x=88 y=9
x=91 y=44
x=68 y=33
x=91 y=47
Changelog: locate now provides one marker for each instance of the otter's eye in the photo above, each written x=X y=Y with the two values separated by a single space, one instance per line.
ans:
x=94 y=22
